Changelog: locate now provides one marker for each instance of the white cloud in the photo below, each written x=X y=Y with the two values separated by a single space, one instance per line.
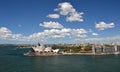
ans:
x=65 y=8
x=79 y=32
x=75 y=16
x=68 y=10
x=52 y=33
x=4 y=30
x=67 y=32
x=54 y=16
x=56 y=33
x=95 y=34
x=102 y=25
x=51 y=24
x=35 y=37
x=5 y=33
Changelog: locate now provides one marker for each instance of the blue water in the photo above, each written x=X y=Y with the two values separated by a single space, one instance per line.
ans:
x=12 y=60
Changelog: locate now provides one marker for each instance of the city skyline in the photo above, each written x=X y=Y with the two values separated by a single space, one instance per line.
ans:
x=59 y=21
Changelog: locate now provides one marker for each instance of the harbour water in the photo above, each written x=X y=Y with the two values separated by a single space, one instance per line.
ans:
x=13 y=60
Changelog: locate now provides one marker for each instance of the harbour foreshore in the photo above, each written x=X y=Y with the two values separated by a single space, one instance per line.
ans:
x=57 y=54
x=91 y=49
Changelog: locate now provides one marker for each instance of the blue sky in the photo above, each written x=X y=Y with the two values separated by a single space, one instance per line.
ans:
x=59 y=21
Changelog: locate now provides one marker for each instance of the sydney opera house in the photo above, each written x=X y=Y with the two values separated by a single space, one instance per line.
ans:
x=42 y=50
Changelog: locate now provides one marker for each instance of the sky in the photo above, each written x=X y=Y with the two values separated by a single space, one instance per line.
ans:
x=59 y=21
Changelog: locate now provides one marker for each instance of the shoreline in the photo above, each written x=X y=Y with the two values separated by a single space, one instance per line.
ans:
x=60 y=54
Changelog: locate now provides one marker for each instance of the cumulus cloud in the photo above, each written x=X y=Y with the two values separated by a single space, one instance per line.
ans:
x=68 y=32
x=54 y=16
x=55 y=33
x=79 y=32
x=51 y=24
x=68 y=10
x=4 y=30
x=102 y=25
x=35 y=37
x=60 y=33
x=5 y=33
x=65 y=8
x=95 y=34
x=75 y=16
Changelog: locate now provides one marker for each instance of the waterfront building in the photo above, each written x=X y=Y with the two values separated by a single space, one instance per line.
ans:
x=98 y=49
x=42 y=48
